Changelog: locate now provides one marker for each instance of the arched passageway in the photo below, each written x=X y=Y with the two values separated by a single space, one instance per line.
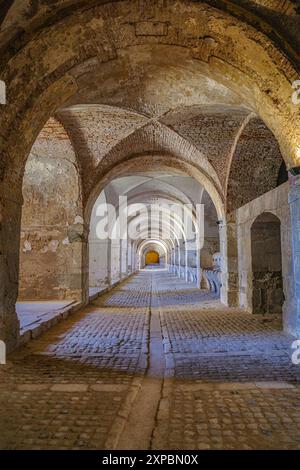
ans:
x=152 y=257
x=50 y=255
x=131 y=127
x=159 y=210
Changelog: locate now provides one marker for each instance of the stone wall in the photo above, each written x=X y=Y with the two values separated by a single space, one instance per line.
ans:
x=51 y=248
x=211 y=243
x=274 y=202
x=115 y=261
x=99 y=263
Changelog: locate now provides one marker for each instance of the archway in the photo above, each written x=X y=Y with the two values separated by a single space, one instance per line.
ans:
x=160 y=246
x=151 y=257
x=267 y=287
x=51 y=217
x=50 y=257
x=137 y=99
x=78 y=54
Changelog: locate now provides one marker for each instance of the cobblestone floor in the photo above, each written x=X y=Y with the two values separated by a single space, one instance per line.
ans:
x=229 y=381
x=233 y=384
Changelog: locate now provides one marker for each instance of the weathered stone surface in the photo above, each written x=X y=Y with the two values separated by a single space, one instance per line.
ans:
x=52 y=203
x=231 y=384
x=157 y=100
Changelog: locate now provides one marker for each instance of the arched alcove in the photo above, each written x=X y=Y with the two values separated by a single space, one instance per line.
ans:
x=267 y=288
x=51 y=223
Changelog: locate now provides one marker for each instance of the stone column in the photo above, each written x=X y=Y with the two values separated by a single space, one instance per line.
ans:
x=181 y=259
x=199 y=268
x=109 y=280
x=133 y=257
x=120 y=260
x=129 y=257
x=115 y=260
x=178 y=260
x=10 y=224
x=123 y=259
x=186 y=264
x=79 y=276
x=229 y=261
x=173 y=258
x=192 y=260
x=292 y=304
x=99 y=262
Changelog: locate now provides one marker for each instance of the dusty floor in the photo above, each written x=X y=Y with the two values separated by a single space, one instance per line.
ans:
x=153 y=364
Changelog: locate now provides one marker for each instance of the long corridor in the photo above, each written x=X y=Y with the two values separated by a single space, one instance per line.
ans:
x=153 y=364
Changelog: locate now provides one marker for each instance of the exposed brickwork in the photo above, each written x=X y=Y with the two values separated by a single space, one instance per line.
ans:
x=53 y=130
x=213 y=134
x=255 y=171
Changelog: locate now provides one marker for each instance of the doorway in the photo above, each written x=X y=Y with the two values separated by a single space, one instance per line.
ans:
x=267 y=287
x=152 y=257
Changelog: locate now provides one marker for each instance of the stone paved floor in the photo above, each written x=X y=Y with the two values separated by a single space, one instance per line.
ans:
x=228 y=381
x=233 y=384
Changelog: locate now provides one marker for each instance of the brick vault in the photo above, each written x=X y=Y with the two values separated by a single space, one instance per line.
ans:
x=174 y=329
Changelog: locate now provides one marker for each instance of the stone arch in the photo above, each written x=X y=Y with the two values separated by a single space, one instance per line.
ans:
x=156 y=139
x=156 y=245
x=213 y=41
x=134 y=163
x=50 y=249
x=220 y=56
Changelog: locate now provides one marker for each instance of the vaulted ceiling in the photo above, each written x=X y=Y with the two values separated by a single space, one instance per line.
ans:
x=222 y=138
x=19 y=19
x=171 y=79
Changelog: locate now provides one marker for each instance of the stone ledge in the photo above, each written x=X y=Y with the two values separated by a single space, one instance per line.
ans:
x=36 y=329
x=42 y=325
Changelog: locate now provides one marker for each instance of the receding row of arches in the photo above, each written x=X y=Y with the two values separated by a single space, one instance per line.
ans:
x=137 y=100
x=63 y=257
x=53 y=235
x=152 y=258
